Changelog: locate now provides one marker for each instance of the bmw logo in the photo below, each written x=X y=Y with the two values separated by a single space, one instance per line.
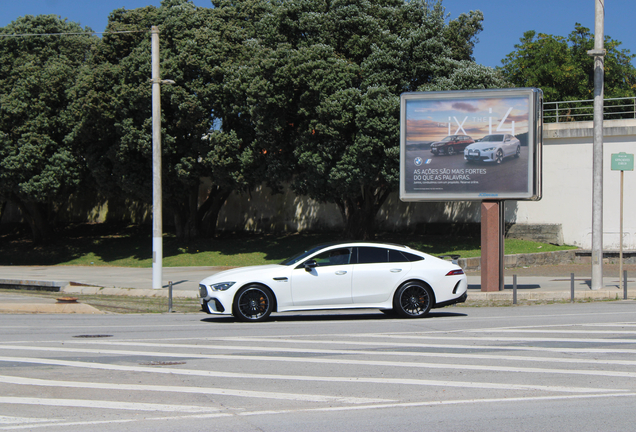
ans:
x=418 y=161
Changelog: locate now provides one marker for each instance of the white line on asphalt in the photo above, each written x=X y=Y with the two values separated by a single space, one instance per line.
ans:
x=398 y=381
x=84 y=403
x=491 y=401
x=194 y=390
x=217 y=347
x=6 y=420
x=416 y=345
x=493 y=338
x=542 y=330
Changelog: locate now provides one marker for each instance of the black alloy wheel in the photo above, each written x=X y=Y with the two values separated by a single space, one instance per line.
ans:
x=518 y=152
x=451 y=150
x=253 y=303
x=413 y=300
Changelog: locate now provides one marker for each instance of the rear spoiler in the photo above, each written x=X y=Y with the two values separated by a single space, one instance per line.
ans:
x=453 y=258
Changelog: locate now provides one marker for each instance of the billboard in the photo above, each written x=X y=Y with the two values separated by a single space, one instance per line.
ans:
x=471 y=145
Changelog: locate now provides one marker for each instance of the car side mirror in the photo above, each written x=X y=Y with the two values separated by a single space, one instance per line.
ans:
x=311 y=264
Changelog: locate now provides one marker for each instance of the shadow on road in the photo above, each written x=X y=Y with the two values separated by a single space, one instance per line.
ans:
x=332 y=317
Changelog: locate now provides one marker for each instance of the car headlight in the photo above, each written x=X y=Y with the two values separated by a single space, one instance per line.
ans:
x=489 y=149
x=223 y=286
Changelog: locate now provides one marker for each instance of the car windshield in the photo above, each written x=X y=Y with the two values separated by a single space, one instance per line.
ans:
x=448 y=138
x=493 y=138
x=301 y=256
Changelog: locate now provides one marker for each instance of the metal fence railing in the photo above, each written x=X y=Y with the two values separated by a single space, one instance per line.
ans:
x=583 y=110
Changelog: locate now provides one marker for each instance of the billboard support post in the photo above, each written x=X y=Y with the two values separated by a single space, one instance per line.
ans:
x=502 y=248
x=491 y=246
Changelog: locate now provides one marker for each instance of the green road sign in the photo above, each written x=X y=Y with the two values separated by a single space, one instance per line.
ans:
x=622 y=162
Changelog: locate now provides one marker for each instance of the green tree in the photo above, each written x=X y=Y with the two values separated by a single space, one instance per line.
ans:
x=200 y=137
x=39 y=166
x=562 y=68
x=325 y=80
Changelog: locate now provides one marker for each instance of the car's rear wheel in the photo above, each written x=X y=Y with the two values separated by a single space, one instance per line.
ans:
x=499 y=156
x=413 y=300
x=253 y=303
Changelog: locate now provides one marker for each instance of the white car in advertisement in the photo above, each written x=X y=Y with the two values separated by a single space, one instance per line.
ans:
x=493 y=148
x=395 y=279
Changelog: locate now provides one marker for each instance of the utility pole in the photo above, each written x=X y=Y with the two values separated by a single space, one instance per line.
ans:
x=597 y=159
x=157 y=216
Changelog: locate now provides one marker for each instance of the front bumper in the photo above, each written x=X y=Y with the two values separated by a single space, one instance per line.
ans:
x=210 y=304
x=479 y=156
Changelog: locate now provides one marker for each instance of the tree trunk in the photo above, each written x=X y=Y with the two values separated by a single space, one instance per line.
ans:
x=209 y=211
x=193 y=221
x=35 y=215
x=359 y=212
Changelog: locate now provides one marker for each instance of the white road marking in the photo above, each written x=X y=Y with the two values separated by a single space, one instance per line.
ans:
x=83 y=403
x=416 y=345
x=494 y=338
x=194 y=390
x=541 y=330
x=6 y=420
x=330 y=409
x=367 y=380
x=345 y=352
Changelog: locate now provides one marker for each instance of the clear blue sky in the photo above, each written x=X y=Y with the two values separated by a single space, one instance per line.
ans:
x=505 y=20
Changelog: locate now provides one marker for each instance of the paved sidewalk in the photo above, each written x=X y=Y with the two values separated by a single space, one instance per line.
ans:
x=537 y=283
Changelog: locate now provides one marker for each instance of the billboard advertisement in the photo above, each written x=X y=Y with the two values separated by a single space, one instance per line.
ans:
x=471 y=145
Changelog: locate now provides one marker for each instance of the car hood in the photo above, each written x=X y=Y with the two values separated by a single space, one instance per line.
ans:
x=439 y=143
x=484 y=145
x=241 y=273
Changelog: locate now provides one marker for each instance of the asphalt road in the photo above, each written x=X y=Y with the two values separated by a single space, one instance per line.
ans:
x=567 y=367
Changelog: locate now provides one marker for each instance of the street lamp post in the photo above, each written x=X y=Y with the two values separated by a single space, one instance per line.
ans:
x=157 y=216
x=597 y=159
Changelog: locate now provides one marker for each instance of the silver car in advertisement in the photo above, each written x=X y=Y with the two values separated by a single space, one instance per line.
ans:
x=493 y=148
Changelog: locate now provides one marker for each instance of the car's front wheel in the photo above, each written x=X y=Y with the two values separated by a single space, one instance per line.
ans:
x=518 y=152
x=413 y=300
x=499 y=156
x=253 y=303
x=451 y=151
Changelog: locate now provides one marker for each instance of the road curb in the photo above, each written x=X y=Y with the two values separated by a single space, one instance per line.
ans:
x=604 y=294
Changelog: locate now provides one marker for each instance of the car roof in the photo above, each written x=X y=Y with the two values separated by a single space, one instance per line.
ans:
x=359 y=243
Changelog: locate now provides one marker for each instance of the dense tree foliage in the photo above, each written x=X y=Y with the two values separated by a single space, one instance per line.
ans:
x=325 y=83
x=196 y=45
x=304 y=92
x=39 y=166
x=561 y=67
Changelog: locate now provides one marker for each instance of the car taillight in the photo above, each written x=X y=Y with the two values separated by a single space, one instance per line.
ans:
x=455 y=272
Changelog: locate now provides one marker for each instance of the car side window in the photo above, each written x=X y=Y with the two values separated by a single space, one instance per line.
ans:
x=370 y=255
x=397 y=256
x=333 y=257
x=412 y=257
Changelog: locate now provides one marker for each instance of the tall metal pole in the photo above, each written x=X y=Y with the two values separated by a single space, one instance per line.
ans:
x=157 y=217
x=620 y=266
x=597 y=162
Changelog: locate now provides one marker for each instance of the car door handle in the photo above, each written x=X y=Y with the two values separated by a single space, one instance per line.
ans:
x=396 y=270
x=341 y=272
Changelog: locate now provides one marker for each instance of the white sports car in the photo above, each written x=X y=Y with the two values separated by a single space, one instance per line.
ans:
x=392 y=278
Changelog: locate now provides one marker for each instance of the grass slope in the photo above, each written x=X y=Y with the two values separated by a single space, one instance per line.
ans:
x=131 y=246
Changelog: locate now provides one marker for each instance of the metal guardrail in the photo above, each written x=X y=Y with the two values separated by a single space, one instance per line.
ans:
x=583 y=110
